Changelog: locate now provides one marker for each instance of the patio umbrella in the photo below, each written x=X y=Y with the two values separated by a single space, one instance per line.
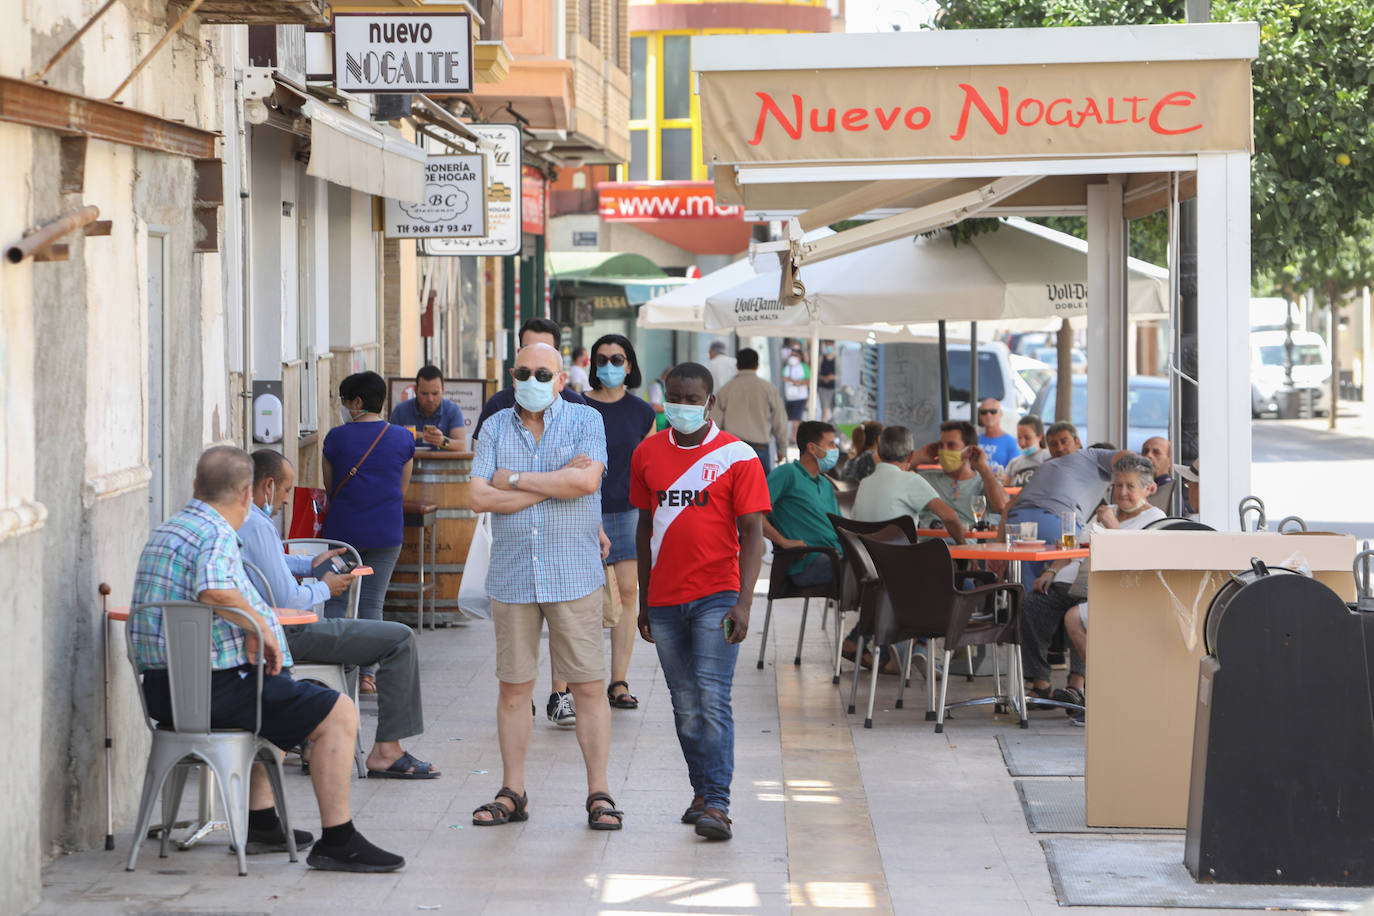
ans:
x=1021 y=271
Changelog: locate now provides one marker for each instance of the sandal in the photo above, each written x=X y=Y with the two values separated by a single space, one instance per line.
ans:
x=694 y=810
x=607 y=810
x=367 y=684
x=1038 y=693
x=1070 y=695
x=500 y=814
x=714 y=825
x=621 y=700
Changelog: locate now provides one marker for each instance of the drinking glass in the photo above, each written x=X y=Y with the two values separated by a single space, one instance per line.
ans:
x=980 y=508
x=1068 y=528
x=1029 y=530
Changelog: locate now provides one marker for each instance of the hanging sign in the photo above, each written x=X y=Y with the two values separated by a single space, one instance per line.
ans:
x=503 y=198
x=403 y=52
x=453 y=206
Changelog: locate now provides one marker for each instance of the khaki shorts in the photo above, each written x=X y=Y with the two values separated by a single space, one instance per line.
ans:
x=574 y=639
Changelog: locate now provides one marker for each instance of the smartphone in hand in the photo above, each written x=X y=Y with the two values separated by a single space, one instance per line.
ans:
x=727 y=626
x=335 y=564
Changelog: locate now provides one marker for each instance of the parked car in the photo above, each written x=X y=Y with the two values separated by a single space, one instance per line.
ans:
x=1031 y=375
x=1050 y=357
x=1311 y=369
x=1147 y=408
x=996 y=379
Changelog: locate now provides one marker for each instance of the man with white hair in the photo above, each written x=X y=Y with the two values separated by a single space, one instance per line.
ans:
x=721 y=364
x=538 y=470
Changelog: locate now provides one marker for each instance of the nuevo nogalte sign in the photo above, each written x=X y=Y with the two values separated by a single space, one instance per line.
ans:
x=403 y=52
x=961 y=112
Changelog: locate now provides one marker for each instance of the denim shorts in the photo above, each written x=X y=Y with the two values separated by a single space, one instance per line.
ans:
x=620 y=528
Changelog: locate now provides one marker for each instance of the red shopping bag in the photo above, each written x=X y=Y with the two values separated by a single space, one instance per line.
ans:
x=308 y=508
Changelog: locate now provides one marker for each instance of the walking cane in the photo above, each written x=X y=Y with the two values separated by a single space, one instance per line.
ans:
x=109 y=777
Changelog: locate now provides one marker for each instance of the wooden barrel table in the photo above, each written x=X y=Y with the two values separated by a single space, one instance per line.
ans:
x=440 y=478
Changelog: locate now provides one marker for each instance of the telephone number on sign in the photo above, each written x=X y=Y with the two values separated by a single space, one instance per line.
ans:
x=437 y=229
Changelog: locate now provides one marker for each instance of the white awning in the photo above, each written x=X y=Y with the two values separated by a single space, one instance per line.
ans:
x=359 y=154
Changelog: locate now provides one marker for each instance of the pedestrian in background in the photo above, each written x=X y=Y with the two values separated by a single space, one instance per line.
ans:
x=629 y=421
x=796 y=388
x=750 y=409
x=367 y=463
x=825 y=381
x=721 y=364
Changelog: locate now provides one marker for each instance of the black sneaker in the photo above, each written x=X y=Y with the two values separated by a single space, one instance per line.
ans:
x=560 y=709
x=356 y=855
x=274 y=840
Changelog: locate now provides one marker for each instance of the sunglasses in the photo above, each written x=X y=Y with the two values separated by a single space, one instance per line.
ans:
x=522 y=374
x=988 y=410
x=616 y=360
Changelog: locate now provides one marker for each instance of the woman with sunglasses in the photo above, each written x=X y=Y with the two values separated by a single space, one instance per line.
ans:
x=629 y=420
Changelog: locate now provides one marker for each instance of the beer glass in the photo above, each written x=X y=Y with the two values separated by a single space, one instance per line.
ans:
x=1068 y=537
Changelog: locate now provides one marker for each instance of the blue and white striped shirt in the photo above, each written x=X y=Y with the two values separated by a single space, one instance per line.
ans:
x=550 y=551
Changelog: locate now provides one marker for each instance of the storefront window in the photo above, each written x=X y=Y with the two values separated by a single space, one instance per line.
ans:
x=677 y=154
x=638 y=58
x=639 y=155
x=677 y=76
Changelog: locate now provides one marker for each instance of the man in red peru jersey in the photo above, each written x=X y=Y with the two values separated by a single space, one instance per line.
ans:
x=701 y=496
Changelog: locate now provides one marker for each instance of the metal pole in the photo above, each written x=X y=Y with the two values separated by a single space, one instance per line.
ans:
x=1177 y=501
x=35 y=242
x=176 y=27
x=973 y=372
x=71 y=42
x=246 y=280
x=944 y=372
x=109 y=742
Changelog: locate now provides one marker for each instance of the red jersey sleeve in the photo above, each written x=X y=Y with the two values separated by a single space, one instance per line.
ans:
x=750 y=491
x=640 y=495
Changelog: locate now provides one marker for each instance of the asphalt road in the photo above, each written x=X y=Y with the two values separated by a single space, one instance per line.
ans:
x=1326 y=478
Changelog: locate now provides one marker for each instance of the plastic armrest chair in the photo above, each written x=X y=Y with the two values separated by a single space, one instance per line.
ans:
x=780 y=586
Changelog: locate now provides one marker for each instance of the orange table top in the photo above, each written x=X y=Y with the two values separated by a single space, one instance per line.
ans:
x=287 y=617
x=970 y=535
x=1000 y=551
x=1011 y=491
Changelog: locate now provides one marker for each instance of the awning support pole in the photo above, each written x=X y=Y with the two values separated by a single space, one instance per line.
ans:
x=176 y=27
x=944 y=372
x=71 y=42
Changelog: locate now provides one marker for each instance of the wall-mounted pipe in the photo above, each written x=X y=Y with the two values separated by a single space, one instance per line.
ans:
x=45 y=235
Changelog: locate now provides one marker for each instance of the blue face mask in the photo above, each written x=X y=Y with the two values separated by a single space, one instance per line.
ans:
x=611 y=375
x=685 y=418
x=1030 y=450
x=534 y=395
x=832 y=455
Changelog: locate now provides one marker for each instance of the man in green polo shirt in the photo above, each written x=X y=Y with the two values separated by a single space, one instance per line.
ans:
x=802 y=495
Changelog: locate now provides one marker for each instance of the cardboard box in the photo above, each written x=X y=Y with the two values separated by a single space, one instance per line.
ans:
x=1148 y=595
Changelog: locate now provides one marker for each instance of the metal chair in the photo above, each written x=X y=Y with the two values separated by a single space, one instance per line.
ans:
x=780 y=586
x=229 y=753
x=335 y=677
x=1173 y=523
x=917 y=597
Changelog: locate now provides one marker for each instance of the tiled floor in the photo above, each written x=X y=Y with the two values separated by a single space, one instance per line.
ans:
x=829 y=816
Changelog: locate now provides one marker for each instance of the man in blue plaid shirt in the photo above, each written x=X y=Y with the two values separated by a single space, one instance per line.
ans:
x=194 y=556
x=538 y=470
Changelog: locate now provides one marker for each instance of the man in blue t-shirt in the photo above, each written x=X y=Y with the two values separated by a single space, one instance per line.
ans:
x=437 y=420
x=533 y=331
x=1000 y=447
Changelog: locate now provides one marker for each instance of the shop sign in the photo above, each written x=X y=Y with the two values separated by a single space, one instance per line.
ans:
x=454 y=202
x=504 y=198
x=403 y=52
x=634 y=201
x=962 y=112
x=532 y=204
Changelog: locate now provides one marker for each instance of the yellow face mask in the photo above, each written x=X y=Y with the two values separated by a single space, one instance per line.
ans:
x=951 y=460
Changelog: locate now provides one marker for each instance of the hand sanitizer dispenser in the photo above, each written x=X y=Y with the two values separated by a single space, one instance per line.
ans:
x=267 y=418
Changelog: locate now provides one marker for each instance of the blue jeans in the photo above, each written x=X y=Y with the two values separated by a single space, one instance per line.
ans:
x=1047 y=528
x=699 y=666
x=373 y=590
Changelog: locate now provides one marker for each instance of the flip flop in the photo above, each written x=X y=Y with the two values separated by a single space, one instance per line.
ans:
x=405 y=767
x=623 y=700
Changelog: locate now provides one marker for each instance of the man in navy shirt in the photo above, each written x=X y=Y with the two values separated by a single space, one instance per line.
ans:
x=536 y=330
x=438 y=420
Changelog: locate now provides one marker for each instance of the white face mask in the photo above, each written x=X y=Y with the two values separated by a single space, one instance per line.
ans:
x=348 y=416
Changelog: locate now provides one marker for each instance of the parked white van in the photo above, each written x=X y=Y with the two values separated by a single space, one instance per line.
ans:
x=1311 y=369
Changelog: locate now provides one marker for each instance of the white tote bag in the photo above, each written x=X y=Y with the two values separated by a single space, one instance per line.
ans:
x=472 y=591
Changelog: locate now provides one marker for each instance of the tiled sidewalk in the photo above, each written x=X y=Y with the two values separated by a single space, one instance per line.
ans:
x=829 y=816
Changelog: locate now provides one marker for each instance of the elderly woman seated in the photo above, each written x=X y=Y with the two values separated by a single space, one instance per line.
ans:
x=1059 y=593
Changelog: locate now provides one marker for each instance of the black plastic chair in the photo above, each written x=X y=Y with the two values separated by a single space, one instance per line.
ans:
x=917 y=597
x=899 y=530
x=780 y=586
